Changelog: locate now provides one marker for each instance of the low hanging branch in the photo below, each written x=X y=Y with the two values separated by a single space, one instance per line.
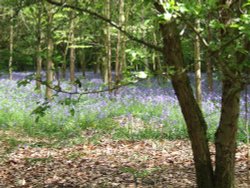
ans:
x=58 y=89
x=109 y=21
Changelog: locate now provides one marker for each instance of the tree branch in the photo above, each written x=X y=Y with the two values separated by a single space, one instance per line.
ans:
x=96 y=15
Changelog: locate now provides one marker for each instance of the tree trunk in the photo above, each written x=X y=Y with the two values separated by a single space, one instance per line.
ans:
x=120 y=48
x=39 y=51
x=118 y=62
x=154 y=54
x=38 y=66
x=209 y=62
x=50 y=70
x=156 y=58
x=11 y=45
x=65 y=53
x=81 y=56
x=97 y=66
x=225 y=139
x=107 y=64
x=123 y=40
x=64 y=63
x=72 y=51
x=197 y=65
x=196 y=125
x=50 y=64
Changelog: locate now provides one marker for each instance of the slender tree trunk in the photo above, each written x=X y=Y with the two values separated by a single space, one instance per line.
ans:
x=209 y=62
x=50 y=70
x=65 y=53
x=64 y=64
x=97 y=66
x=11 y=45
x=118 y=62
x=157 y=61
x=196 y=125
x=38 y=66
x=81 y=56
x=107 y=64
x=120 y=48
x=154 y=53
x=72 y=51
x=38 y=52
x=197 y=65
x=123 y=41
x=50 y=64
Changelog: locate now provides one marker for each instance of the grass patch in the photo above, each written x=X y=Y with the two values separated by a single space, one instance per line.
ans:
x=158 y=114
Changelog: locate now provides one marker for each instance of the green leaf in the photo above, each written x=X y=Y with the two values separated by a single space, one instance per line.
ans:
x=78 y=82
x=72 y=111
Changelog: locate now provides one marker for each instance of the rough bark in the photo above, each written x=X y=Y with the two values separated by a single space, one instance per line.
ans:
x=196 y=125
x=226 y=135
x=225 y=138
x=194 y=119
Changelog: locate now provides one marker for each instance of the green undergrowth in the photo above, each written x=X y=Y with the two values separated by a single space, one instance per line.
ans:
x=86 y=130
x=129 y=122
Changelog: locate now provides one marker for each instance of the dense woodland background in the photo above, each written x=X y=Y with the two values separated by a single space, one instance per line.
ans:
x=75 y=72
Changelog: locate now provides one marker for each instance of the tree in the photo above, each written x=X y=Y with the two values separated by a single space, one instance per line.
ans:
x=107 y=63
x=11 y=43
x=232 y=64
x=196 y=125
x=39 y=48
x=72 y=48
x=50 y=64
x=197 y=62
x=232 y=85
x=120 y=45
x=208 y=58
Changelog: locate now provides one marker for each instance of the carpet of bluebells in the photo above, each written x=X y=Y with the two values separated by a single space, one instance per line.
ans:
x=150 y=102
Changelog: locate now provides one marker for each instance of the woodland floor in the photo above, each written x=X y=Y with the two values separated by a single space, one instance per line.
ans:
x=109 y=163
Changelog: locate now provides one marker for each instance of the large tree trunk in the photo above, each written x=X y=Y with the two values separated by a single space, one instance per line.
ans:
x=225 y=138
x=226 y=135
x=196 y=125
